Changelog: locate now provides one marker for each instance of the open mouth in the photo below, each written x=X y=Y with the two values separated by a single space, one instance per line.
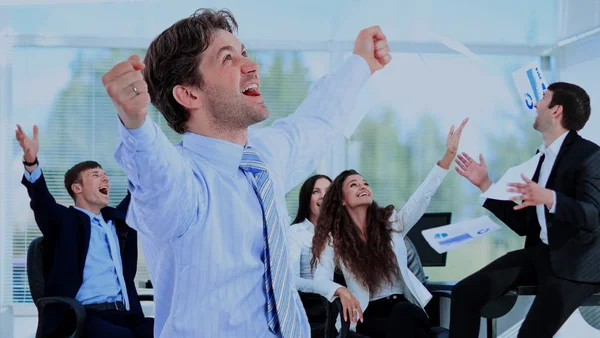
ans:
x=363 y=194
x=103 y=190
x=251 y=90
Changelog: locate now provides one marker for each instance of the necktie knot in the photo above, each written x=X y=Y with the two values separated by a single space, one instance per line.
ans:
x=251 y=162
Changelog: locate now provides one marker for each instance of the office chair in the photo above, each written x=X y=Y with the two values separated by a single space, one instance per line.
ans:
x=429 y=257
x=36 y=274
x=38 y=263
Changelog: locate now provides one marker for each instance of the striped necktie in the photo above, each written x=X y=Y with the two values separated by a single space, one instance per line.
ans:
x=281 y=310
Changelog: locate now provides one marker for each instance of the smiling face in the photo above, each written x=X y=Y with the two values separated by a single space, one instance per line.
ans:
x=316 y=197
x=546 y=117
x=231 y=91
x=92 y=189
x=356 y=192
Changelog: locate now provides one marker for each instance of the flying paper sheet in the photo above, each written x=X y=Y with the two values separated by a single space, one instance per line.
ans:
x=513 y=175
x=457 y=46
x=531 y=84
x=452 y=236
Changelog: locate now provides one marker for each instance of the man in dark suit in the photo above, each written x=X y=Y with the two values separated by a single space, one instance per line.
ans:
x=559 y=215
x=89 y=249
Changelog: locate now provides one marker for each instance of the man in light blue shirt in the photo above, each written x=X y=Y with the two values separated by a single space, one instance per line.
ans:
x=211 y=211
x=91 y=252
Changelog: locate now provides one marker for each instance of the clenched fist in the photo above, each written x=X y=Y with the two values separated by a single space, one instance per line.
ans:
x=128 y=91
x=372 y=45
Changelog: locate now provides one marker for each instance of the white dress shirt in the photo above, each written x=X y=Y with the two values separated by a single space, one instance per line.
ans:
x=200 y=221
x=387 y=289
x=551 y=152
x=300 y=236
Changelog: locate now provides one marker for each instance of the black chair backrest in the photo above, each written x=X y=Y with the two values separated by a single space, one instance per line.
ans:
x=35 y=268
x=414 y=261
x=428 y=256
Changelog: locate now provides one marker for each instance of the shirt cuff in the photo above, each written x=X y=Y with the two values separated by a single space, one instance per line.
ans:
x=439 y=170
x=34 y=176
x=139 y=138
x=482 y=198
x=553 y=209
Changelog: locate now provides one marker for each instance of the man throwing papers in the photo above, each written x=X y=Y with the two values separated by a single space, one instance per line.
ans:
x=559 y=214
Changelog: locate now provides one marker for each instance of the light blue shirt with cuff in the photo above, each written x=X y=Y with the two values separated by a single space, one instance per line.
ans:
x=199 y=219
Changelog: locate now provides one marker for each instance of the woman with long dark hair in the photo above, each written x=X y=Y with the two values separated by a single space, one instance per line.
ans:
x=300 y=237
x=383 y=298
x=302 y=229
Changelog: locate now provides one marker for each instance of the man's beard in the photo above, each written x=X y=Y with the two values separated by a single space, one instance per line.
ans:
x=228 y=109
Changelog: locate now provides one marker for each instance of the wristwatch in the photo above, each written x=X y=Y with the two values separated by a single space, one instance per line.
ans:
x=29 y=164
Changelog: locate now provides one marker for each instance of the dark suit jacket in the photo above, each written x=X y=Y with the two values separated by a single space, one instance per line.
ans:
x=66 y=241
x=574 y=228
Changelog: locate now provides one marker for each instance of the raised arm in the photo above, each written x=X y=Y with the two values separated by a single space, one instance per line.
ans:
x=477 y=173
x=418 y=202
x=299 y=141
x=45 y=209
x=124 y=205
x=165 y=196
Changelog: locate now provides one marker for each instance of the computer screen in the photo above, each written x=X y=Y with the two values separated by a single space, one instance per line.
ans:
x=428 y=256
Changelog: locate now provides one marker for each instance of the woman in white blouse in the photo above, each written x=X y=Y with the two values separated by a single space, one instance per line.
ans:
x=383 y=297
x=300 y=239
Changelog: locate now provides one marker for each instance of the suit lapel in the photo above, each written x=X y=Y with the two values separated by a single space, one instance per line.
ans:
x=571 y=136
x=85 y=223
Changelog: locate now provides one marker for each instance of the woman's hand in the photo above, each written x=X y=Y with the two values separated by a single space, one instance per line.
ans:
x=351 y=306
x=452 y=142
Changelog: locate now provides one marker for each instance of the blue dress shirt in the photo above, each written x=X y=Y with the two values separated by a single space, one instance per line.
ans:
x=200 y=221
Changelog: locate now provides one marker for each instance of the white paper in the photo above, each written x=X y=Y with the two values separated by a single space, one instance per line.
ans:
x=452 y=236
x=513 y=175
x=457 y=46
x=531 y=84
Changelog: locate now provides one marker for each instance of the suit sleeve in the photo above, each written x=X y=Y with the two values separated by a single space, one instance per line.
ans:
x=514 y=219
x=48 y=213
x=124 y=205
x=583 y=210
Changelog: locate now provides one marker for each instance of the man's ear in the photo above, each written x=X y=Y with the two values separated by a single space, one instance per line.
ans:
x=77 y=188
x=188 y=96
x=558 y=112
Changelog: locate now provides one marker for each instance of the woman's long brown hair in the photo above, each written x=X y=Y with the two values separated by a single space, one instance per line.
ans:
x=373 y=261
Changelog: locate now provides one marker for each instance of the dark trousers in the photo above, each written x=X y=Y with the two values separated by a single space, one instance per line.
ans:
x=389 y=317
x=117 y=324
x=556 y=298
x=316 y=313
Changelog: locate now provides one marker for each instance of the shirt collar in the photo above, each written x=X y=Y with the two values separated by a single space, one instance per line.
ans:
x=90 y=214
x=223 y=156
x=554 y=148
x=308 y=225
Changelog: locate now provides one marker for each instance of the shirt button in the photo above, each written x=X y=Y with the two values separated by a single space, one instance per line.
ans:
x=549 y=225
